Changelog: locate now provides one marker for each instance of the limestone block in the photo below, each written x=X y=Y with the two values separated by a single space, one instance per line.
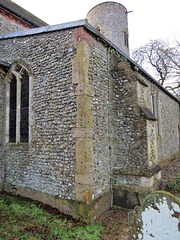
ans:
x=84 y=150
x=84 y=113
x=88 y=196
x=84 y=88
x=80 y=64
x=84 y=184
x=87 y=179
x=83 y=132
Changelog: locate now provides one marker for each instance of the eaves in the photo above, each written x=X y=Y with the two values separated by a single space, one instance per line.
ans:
x=97 y=34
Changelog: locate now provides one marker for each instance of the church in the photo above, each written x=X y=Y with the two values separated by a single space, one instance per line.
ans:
x=82 y=126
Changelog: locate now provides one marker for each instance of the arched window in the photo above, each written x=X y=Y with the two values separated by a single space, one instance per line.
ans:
x=17 y=104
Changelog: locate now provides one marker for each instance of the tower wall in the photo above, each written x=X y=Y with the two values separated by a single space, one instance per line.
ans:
x=110 y=18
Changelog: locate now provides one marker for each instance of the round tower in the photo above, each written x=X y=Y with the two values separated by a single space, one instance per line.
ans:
x=110 y=18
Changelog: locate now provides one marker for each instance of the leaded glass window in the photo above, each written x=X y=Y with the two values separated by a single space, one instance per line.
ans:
x=24 y=123
x=12 y=112
x=18 y=105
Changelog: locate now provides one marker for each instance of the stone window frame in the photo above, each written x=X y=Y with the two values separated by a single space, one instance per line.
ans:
x=7 y=80
x=155 y=106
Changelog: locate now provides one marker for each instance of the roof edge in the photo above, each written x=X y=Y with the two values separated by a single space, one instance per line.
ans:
x=8 y=5
x=45 y=29
x=88 y=26
x=107 y=41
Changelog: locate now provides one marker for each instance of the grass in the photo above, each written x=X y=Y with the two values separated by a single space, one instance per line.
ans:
x=22 y=218
x=174 y=186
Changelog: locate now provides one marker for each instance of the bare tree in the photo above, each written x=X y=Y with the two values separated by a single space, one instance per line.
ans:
x=163 y=59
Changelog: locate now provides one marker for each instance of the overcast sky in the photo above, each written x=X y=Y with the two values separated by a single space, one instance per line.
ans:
x=150 y=19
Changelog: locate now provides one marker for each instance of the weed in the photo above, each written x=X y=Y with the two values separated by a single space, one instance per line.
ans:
x=174 y=187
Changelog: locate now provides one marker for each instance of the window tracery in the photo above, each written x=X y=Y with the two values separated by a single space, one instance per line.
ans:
x=17 y=104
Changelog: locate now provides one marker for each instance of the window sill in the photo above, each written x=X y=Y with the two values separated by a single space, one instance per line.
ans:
x=16 y=146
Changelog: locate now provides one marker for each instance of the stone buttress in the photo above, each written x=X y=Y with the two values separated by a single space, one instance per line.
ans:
x=86 y=177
